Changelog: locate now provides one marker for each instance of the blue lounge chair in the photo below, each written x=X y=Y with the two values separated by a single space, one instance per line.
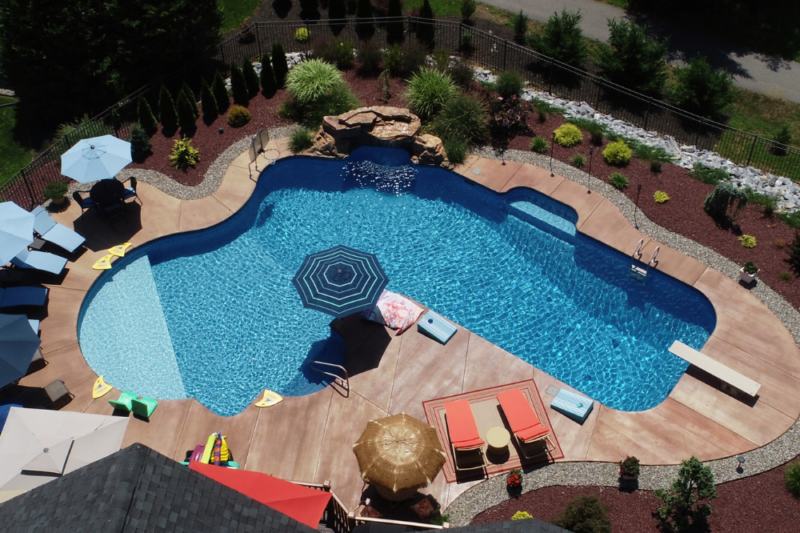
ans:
x=40 y=261
x=51 y=231
x=23 y=296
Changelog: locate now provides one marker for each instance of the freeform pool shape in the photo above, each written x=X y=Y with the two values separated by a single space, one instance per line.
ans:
x=511 y=268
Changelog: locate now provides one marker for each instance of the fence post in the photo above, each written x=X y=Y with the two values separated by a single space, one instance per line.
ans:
x=258 y=41
x=753 y=147
x=28 y=186
x=505 y=53
x=647 y=112
x=699 y=130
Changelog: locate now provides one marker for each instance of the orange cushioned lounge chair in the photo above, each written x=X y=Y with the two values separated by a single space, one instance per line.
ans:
x=465 y=439
x=524 y=422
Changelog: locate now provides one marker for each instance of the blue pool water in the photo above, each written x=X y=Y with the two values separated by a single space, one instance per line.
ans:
x=213 y=314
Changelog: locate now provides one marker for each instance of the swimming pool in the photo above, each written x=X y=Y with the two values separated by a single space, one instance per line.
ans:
x=213 y=314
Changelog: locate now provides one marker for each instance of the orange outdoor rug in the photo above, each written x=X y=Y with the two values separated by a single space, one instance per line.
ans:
x=487 y=412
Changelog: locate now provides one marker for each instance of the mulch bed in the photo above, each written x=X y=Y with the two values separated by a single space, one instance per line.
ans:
x=757 y=503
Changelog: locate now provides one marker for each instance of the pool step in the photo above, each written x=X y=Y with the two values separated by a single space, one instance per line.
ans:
x=543 y=219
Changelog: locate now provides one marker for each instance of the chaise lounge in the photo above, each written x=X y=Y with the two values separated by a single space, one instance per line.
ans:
x=524 y=422
x=23 y=297
x=51 y=231
x=465 y=440
x=40 y=261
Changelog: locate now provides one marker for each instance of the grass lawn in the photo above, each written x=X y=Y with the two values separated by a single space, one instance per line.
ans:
x=441 y=8
x=234 y=12
x=13 y=156
x=761 y=114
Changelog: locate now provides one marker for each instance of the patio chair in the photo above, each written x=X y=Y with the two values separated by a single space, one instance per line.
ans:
x=124 y=402
x=51 y=231
x=130 y=192
x=40 y=261
x=23 y=297
x=143 y=406
x=57 y=393
x=465 y=440
x=524 y=422
x=84 y=203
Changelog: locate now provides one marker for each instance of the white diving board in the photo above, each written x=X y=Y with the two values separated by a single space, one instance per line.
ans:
x=715 y=368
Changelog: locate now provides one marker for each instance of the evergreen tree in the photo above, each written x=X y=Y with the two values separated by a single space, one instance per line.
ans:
x=634 y=60
x=220 y=92
x=279 y=66
x=701 y=89
x=309 y=9
x=209 y=103
x=185 y=89
x=239 y=86
x=250 y=77
x=365 y=26
x=562 y=39
x=186 y=118
x=395 y=30
x=268 y=83
x=166 y=110
x=425 y=30
x=336 y=9
x=147 y=120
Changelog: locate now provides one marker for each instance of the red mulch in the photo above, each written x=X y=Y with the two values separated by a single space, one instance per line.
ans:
x=757 y=503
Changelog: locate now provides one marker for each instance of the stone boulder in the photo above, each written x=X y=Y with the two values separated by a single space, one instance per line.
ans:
x=428 y=150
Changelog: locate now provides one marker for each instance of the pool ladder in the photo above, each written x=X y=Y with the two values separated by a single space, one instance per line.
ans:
x=338 y=379
x=638 y=273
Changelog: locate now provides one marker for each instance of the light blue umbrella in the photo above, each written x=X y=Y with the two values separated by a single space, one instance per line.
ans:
x=16 y=230
x=98 y=158
x=18 y=345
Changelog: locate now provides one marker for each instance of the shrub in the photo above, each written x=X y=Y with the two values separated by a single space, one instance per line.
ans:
x=300 y=140
x=238 y=116
x=619 y=181
x=239 y=87
x=425 y=29
x=456 y=151
x=568 y=135
x=782 y=140
x=340 y=100
x=768 y=203
x=596 y=130
x=146 y=118
x=633 y=60
x=660 y=197
x=725 y=203
x=468 y=8
x=617 y=153
x=55 y=190
x=250 y=77
x=268 y=83
x=650 y=153
x=395 y=30
x=311 y=80
x=184 y=155
x=208 y=102
x=585 y=514
x=787 y=276
x=441 y=58
x=369 y=57
x=301 y=35
x=539 y=145
x=578 y=160
x=439 y=519
x=562 y=39
x=166 y=110
x=520 y=27
x=510 y=116
x=463 y=118
x=428 y=91
x=413 y=57
x=365 y=26
x=510 y=84
x=780 y=244
x=655 y=165
x=190 y=97
x=750 y=268
x=279 y=66
x=461 y=73
x=521 y=515
x=220 y=92
x=384 y=86
x=629 y=466
x=748 y=241
x=393 y=58
x=686 y=504
x=336 y=9
x=337 y=51
x=702 y=90
x=140 y=140
x=794 y=253
x=709 y=176
x=186 y=116
x=791 y=219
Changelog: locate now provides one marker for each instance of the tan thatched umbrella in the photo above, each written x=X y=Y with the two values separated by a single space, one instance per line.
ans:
x=400 y=453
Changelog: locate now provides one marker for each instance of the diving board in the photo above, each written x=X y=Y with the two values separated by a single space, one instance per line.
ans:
x=715 y=368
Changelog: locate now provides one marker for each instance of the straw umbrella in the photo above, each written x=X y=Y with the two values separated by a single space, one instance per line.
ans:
x=399 y=453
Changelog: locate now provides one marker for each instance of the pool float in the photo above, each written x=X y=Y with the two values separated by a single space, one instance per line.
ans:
x=104 y=263
x=270 y=398
x=119 y=250
x=100 y=388
x=216 y=450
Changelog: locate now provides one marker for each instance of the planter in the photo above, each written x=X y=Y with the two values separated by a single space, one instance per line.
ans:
x=627 y=482
x=59 y=201
x=745 y=277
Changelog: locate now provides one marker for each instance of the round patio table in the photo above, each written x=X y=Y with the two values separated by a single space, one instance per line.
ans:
x=498 y=438
x=107 y=192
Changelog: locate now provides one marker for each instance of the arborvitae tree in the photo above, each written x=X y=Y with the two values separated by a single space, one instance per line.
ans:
x=166 y=110
x=209 y=103
x=186 y=117
x=239 y=87
x=365 y=27
x=562 y=39
x=633 y=60
x=268 y=83
x=185 y=89
x=425 y=30
x=250 y=77
x=309 y=9
x=220 y=92
x=147 y=120
x=394 y=30
x=702 y=89
x=336 y=9
x=279 y=66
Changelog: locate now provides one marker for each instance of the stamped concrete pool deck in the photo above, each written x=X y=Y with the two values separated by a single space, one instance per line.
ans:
x=310 y=438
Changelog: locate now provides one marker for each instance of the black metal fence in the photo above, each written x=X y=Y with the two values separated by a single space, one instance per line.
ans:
x=478 y=47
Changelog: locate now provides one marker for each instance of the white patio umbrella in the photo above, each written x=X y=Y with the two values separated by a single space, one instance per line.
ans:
x=98 y=158
x=16 y=230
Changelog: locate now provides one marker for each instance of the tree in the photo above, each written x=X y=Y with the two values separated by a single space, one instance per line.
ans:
x=725 y=203
x=220 y=92
x=782 y=140
x=186 y=118
x=562 y=39
x=147 y=120
x=701 y=89
x=468 y=8
x=209 y=103
x=686 y=504
x=365 y=26
x=239 y=87
x=425 y=30
x=309 y=9
x=279 y=66
x=337 y=10
x=185 y=89
x=634 y=61
x=166 y=110
x=250 y=77
x=268 y=83
x=520 y=27
x=394 y=30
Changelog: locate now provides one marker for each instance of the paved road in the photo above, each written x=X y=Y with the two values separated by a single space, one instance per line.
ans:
x=751 y=71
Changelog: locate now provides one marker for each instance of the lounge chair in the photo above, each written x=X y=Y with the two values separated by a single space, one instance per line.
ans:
x=57 y=393
x=40 y=261
x=465 y=440
x=130 y=192
x=124 y=403
x=524 y=422
x=143 y=406
x=23 y=296
x=84 y=203
x=51 y=231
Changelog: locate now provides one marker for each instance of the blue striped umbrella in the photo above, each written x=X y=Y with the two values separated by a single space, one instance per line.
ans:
x=340 y=281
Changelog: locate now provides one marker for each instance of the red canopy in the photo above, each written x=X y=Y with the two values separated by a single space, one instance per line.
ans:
x=296 y=501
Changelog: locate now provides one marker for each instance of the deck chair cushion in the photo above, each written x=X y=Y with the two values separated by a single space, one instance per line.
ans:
x=533 y=432
x=23 y=296
x=518 y=411
x=54 y=232
x=461 y=425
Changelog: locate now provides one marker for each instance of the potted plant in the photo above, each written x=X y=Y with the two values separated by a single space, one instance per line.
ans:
x=629 y=468
x=514 y=480
x=748 y=272
x=56 y=191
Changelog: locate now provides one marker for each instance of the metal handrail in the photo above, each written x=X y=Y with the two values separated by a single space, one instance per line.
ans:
x=654 y=257
x=637 y=253
x=344 y=382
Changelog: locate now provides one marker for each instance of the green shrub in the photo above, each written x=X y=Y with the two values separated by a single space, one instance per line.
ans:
x=709 y=176
x=633 y=60
x=782 y=140
x=208 y=102
x=369 y=56
x=301 y=139
x=413 y=57
x=393 y=58
x=702 y=90
x=585 y=514
x=439 y=519
x=250 y=78
x=595 y=130
x=578 y=160
x=166 y=110
x=301 y=35
x=279 y=66
x=184 y=155
x=509 y=84
x=268 y=83
x=425 y=29
x=336 y=51
x=238 y=116
x=186 y=116
x=311 y=80
x=456 y=151
x=617 y=153
x=220 y=92
x=140 y=140
x=725 y=203
x=463 y=118
x=461 y=73
x=562 y=39
x=442 y=58
x=619 y=181
x=190 y=97
x=650 y=153
x=55 y=190
x=428 y=91
x=568 y=135
x=239 y=87
x=468 y=8
x=791 y=219
x=539 y=145
x=339 y=101
x=146 y=118
x=686 y=504
x=794 y=253
x=748 y=241
x=768 y=203
x=520 y=27
x=660 y=197
x=655 y=165
x=521 y=515
x=385 y=86
x=787 y=276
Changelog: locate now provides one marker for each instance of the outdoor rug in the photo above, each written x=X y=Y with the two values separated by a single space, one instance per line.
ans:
x=487 y=412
